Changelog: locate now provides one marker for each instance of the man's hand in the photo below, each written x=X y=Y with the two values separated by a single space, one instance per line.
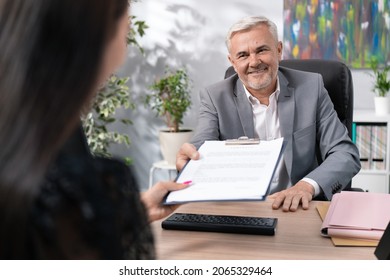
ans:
x=186 y=152
x=301 y=193
x=153 y=198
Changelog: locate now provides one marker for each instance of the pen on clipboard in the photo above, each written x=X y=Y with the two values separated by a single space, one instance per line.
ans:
x=243 y=140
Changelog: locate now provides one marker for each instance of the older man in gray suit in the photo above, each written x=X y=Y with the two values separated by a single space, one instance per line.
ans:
x=267 y=101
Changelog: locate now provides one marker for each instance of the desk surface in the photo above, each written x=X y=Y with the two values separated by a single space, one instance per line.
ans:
x=297 y=236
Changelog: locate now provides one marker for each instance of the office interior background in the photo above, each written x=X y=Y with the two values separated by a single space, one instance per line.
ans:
x=191 y=33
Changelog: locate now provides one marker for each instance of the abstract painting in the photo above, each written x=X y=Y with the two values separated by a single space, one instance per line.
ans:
x=354 y=32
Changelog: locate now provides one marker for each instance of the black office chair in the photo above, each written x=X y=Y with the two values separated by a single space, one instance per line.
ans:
x=337 y=81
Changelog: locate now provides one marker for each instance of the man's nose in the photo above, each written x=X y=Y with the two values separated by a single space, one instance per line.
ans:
x=254 y=59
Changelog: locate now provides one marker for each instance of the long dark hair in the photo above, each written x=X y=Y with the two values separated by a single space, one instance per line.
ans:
x=51 y=55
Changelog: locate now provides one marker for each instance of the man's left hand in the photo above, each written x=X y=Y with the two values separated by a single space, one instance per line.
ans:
x=301 y=193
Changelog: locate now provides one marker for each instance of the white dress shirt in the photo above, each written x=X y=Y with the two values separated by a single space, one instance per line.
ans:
x=267 y=127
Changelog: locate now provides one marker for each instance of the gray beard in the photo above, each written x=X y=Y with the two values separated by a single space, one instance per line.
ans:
x=258 y=86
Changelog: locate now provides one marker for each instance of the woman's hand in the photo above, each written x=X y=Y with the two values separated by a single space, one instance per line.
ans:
x=153 y=198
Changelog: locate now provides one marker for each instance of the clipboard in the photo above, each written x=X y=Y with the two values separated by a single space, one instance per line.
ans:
x=243 y=140
x=219 y=176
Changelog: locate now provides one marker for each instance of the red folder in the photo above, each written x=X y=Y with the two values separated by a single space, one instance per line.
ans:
x=358 y=215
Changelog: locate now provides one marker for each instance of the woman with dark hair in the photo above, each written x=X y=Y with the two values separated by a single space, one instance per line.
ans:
x=53 y=56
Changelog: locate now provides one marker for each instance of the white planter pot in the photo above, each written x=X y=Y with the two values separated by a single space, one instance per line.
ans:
x=382 y=105
x=170 y=143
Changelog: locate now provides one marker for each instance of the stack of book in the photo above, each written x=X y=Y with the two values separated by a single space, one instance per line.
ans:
x=357 y=216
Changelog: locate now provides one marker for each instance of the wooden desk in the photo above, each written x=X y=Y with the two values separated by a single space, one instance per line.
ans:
x=297 y=237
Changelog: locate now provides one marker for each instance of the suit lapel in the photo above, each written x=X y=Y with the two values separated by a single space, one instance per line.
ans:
x=244 y=109
x=286 y=105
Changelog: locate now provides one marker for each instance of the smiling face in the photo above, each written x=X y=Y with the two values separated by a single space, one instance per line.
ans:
x=255 y=55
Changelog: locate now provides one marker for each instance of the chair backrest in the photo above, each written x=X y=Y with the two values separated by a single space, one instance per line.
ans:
x=337 y=81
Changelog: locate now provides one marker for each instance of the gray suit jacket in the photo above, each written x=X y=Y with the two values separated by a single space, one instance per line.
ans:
x=318 y=145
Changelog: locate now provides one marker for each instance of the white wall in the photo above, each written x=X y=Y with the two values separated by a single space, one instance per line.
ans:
x=190 y=33
x=362 y=84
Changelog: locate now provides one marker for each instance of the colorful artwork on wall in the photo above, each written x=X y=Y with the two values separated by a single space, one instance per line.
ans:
x=354 y=31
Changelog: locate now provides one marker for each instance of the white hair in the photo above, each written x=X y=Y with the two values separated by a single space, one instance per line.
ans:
x=248 y=23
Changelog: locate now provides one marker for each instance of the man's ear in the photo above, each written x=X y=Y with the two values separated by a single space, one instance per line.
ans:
x=230 y=59
x=231 y=62
x=280 y=50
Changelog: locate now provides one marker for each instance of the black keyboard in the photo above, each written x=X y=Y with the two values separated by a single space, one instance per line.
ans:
x=221 y=223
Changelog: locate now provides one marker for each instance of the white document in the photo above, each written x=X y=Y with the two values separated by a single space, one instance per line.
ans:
x=229 y=172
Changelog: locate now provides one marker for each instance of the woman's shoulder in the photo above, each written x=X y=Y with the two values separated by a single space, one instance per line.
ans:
x=95 y=200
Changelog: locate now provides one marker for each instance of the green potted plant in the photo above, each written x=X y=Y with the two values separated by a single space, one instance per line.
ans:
x=170 y=98
x=381 y=87
x=114 y=95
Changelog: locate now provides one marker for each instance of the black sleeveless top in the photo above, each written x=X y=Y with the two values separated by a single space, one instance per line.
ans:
x=89 y=208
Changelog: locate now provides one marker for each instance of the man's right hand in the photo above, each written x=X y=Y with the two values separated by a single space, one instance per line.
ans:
x=186 y=152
